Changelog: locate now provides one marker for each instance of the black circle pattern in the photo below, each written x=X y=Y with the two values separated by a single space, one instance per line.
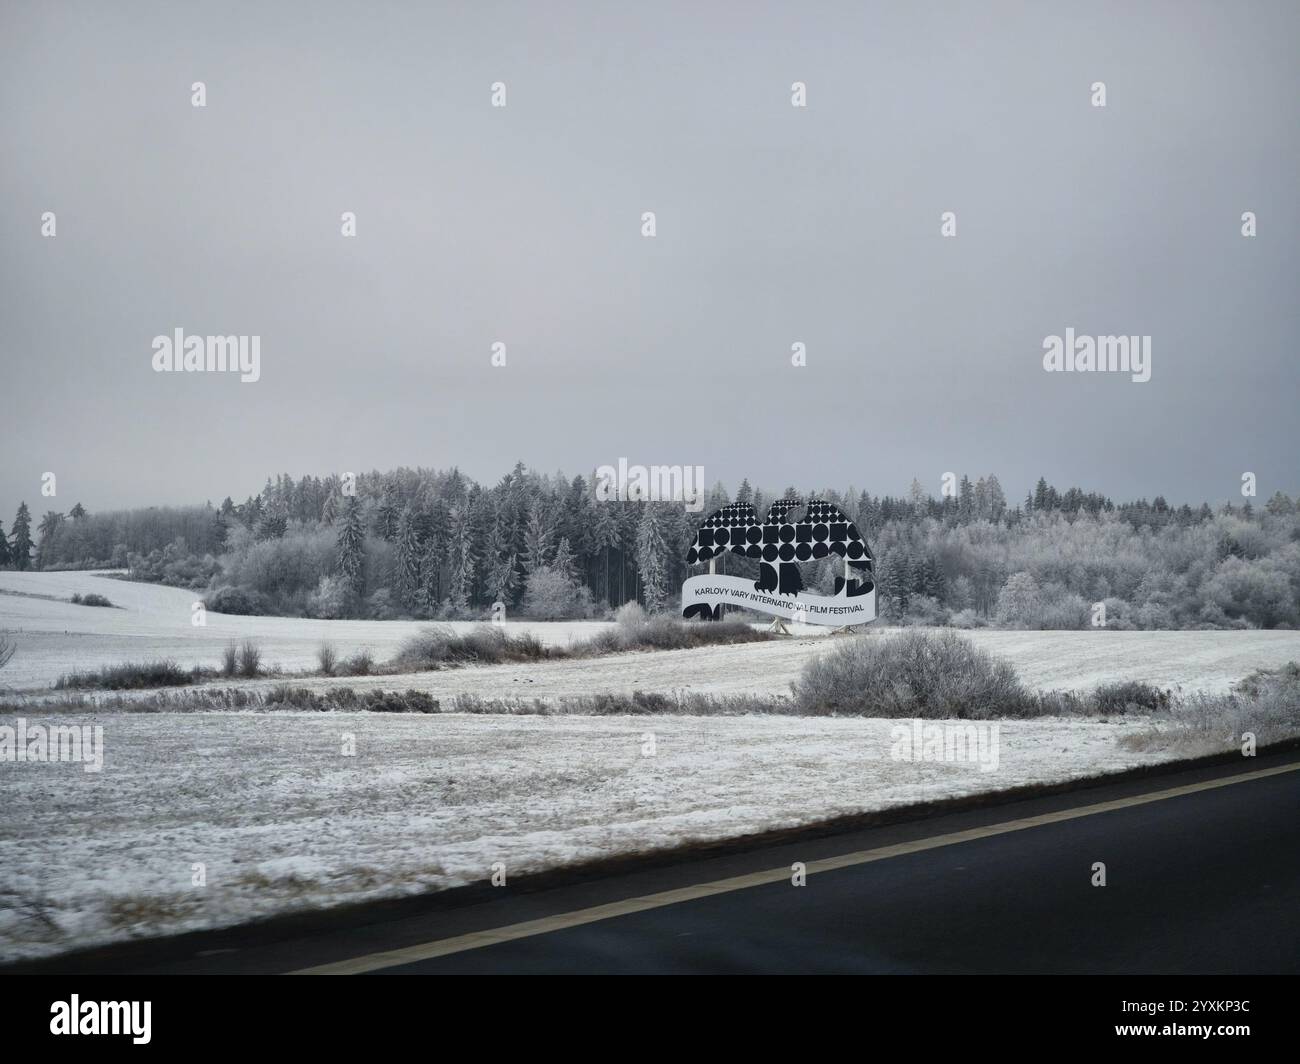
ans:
x=821 y=531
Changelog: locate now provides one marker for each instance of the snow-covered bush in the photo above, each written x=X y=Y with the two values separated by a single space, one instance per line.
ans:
x=926 y=611
x=237 y=600
x=911 y=674
x=1018 y=601
x=1063 y=610
x=332 y=599
x=630 y=615
x=484 y=644
x=379 y=605
x=549 y=595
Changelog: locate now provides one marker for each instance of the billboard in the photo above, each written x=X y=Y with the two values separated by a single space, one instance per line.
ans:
x=793 y=533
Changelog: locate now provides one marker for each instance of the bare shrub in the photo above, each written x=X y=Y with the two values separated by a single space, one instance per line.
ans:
x=129 y=676
x=1265 y=704
x=661 y=632
x=230 y=659
x=440 y=645
x=912 y=674
x=91 y=599
x=326 y=658
x=690 y=703
x=630 y=614
x=1129 y=696
x=250 y=658
x=362 y=663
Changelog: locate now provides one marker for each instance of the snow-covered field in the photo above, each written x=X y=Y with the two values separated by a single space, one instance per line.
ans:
x=55 y=637
x=282 y=820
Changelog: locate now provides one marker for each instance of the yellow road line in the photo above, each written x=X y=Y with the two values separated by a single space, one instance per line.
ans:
x=511 y=932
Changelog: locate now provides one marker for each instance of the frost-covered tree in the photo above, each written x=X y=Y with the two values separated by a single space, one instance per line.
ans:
x=965 y=500
x=47 y=530
x=997 y=499
x=274 y=522
x=330 y=509
x=917 y=497
x=552 y=596
x=537 y=539
x=431 y=574
x=462 y=560
x=407 y=561
x=1280 y=504
x=652 y=557
x=604 y=538
x=387 y=514
x=500 y=561
x=564 y=562
x=1018 y=601
x=21 y=538
x=352 y=547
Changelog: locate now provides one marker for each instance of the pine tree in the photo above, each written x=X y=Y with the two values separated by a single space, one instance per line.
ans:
x=386 y=516
x=965 y=500
x=77 y=512
x=564 y=561
x=5 y=557
x=997 y=499
x=275 y=522
x=431 y=575
x=604 y=538
x=220 y=529
x=408 y=560
x=932 y=579
x=888 y=583
x=903 y=578
x=21 y=538
x=916 y=496
x=1040 y=494
x=462 y=561
x=352 y=547
x=330 y=509
x=652 y=558
x=502 y=578
x=537 y=538
x=47 y=530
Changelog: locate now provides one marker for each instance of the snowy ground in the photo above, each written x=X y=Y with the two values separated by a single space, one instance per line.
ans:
x=55 y=637
x=283 y=821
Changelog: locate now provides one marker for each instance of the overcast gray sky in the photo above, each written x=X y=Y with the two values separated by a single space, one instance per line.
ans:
x=774 y=225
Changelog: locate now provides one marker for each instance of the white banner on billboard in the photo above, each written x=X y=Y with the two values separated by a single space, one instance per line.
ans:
x=714 y=590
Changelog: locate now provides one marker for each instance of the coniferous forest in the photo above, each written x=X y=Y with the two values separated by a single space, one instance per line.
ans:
x=421 y=543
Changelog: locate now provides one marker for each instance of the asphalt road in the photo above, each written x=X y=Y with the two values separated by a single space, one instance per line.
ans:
x=1206 y=881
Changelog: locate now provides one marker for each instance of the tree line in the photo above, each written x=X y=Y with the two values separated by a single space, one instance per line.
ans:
x=433 y=543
